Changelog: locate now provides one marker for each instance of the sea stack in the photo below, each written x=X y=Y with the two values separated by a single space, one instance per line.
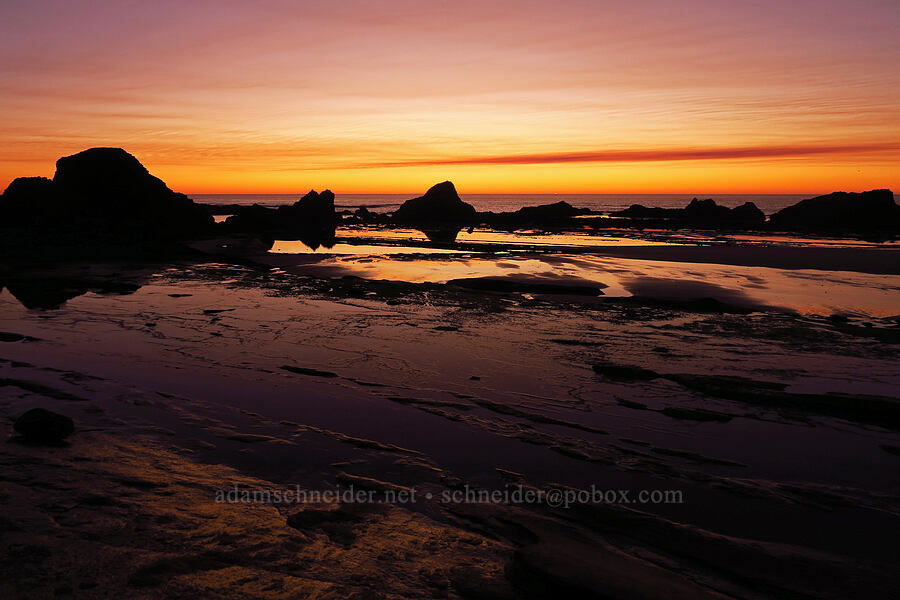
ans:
x=440 y=204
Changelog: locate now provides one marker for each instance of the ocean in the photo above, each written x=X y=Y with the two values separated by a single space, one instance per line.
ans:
x=768 y=203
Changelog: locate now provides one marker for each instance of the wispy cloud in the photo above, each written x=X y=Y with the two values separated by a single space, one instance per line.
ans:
x=633 y=156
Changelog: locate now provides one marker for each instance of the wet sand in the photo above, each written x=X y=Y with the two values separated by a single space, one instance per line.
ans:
x=778 y=428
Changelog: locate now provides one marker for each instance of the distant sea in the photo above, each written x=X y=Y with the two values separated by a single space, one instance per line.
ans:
x=768 y=203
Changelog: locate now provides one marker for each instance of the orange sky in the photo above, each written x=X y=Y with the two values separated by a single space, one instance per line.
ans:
x=504 y=96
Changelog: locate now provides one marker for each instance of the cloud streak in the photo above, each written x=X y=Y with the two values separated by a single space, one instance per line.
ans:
x=640 y=156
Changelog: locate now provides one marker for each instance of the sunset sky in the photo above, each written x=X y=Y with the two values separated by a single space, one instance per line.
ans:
x=502 y=96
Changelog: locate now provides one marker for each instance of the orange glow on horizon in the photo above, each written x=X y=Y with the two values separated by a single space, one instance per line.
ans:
x=511 y=97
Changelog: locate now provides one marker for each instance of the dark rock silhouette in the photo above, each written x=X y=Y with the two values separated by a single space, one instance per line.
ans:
x=699 y=212
x=98 y=198
x=112 y=186
x=43 y=426
x=874 y=210
x=748 y=213
x=557 y=213
x=311 y=220
x=440 y=204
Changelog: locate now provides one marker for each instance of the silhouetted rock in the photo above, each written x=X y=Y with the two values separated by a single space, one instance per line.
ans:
x=639 y=211
x=25 y=190
x=699 y=212
x=28 y=202
x=254 y=218
x=312 y=217
x=112 y=186
x=748 y=213
x=440 y=204
x=542 y=215
x=865 y=211
x=557 y=210
x=313 y=207
x=44 y=426
x=705 y=210
x=98 y=199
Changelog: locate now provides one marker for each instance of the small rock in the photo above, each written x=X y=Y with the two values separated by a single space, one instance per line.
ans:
x=44 y=426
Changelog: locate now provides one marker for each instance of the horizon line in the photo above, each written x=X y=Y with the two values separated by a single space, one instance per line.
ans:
x=536 y=193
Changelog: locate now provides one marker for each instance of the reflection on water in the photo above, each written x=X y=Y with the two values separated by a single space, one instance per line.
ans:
x=801 y=290
x=489 y=236
x=298 y=247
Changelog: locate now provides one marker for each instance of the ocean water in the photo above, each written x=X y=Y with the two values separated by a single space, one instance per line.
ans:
x=768 y=203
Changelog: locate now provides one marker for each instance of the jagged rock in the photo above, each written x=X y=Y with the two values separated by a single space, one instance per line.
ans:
x=440 y=204
x=865 y=211
x=44 y=426
x=313 y=207
x=312 y=213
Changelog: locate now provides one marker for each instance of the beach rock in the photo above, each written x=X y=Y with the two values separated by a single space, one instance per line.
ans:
x=312 y=216
x=699 y=212
x=557 y=210
x=748 y=212
x=365 y=215
x=440 y=204
x=639 y=211
x=98 y=199
x=28 y=201
x=44 y=426
x=24 y=190
x=848 y=211
x=705 y=210
x=541 y=215
x=112 y=186
x=313 y=209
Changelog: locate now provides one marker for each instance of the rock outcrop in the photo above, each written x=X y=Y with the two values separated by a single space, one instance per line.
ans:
x=538 y=216
x=311 y=219
x=43 y=426
x=99 y=197
x=440 y=204
x=874 y=210
x=699 y=212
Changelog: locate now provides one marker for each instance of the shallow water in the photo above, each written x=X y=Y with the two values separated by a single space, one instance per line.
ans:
x=803 y=291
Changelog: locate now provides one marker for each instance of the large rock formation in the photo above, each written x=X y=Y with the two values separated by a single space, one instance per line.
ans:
x=440 y=204
x=699 y=212
x=99 y=197
x=874 y=210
